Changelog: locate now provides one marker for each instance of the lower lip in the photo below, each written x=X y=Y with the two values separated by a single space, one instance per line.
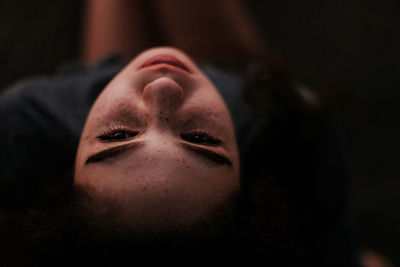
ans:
x=165 y=60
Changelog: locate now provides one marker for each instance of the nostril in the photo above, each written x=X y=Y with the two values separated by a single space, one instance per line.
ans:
x=164 y=93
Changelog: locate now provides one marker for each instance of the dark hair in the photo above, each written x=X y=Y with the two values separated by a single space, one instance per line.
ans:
x=293 y=170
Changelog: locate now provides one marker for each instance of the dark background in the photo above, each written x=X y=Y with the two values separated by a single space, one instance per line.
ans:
x=346 y=49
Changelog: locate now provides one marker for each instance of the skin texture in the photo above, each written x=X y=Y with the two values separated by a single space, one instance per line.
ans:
x=160 y=181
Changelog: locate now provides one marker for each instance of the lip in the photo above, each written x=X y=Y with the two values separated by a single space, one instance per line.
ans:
x=165 y=60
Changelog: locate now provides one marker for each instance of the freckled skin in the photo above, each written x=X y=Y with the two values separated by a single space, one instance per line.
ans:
x=159 y=184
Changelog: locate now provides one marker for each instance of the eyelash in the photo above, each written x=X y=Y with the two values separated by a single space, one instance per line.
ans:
x=110 y=135
x=202 y=137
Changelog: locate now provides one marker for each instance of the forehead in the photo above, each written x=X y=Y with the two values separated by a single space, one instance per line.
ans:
x=166 y=188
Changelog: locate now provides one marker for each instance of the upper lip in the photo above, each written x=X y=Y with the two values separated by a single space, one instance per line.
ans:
x=165 y=59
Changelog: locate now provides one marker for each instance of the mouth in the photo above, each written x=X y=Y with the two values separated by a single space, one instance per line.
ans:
x=167 y=60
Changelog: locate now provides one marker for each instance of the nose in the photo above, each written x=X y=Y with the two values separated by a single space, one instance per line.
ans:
x=163 y=95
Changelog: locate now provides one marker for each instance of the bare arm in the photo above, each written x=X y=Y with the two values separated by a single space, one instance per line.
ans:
x=113 y=26
x=210 y=28
x=207 y=29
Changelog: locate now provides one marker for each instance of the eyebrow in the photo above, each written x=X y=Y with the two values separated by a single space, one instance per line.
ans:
x=213 y=156
x=112 y=152
x=210 y=155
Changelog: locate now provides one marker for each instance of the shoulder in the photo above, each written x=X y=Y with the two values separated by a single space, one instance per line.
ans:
x=41 y=120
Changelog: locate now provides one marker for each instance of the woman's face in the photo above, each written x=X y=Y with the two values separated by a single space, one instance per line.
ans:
x=159 y=143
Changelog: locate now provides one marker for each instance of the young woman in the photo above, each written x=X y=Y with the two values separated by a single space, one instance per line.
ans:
x=157 y=176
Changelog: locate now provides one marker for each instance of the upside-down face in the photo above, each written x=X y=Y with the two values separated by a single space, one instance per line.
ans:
x=160 y=144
